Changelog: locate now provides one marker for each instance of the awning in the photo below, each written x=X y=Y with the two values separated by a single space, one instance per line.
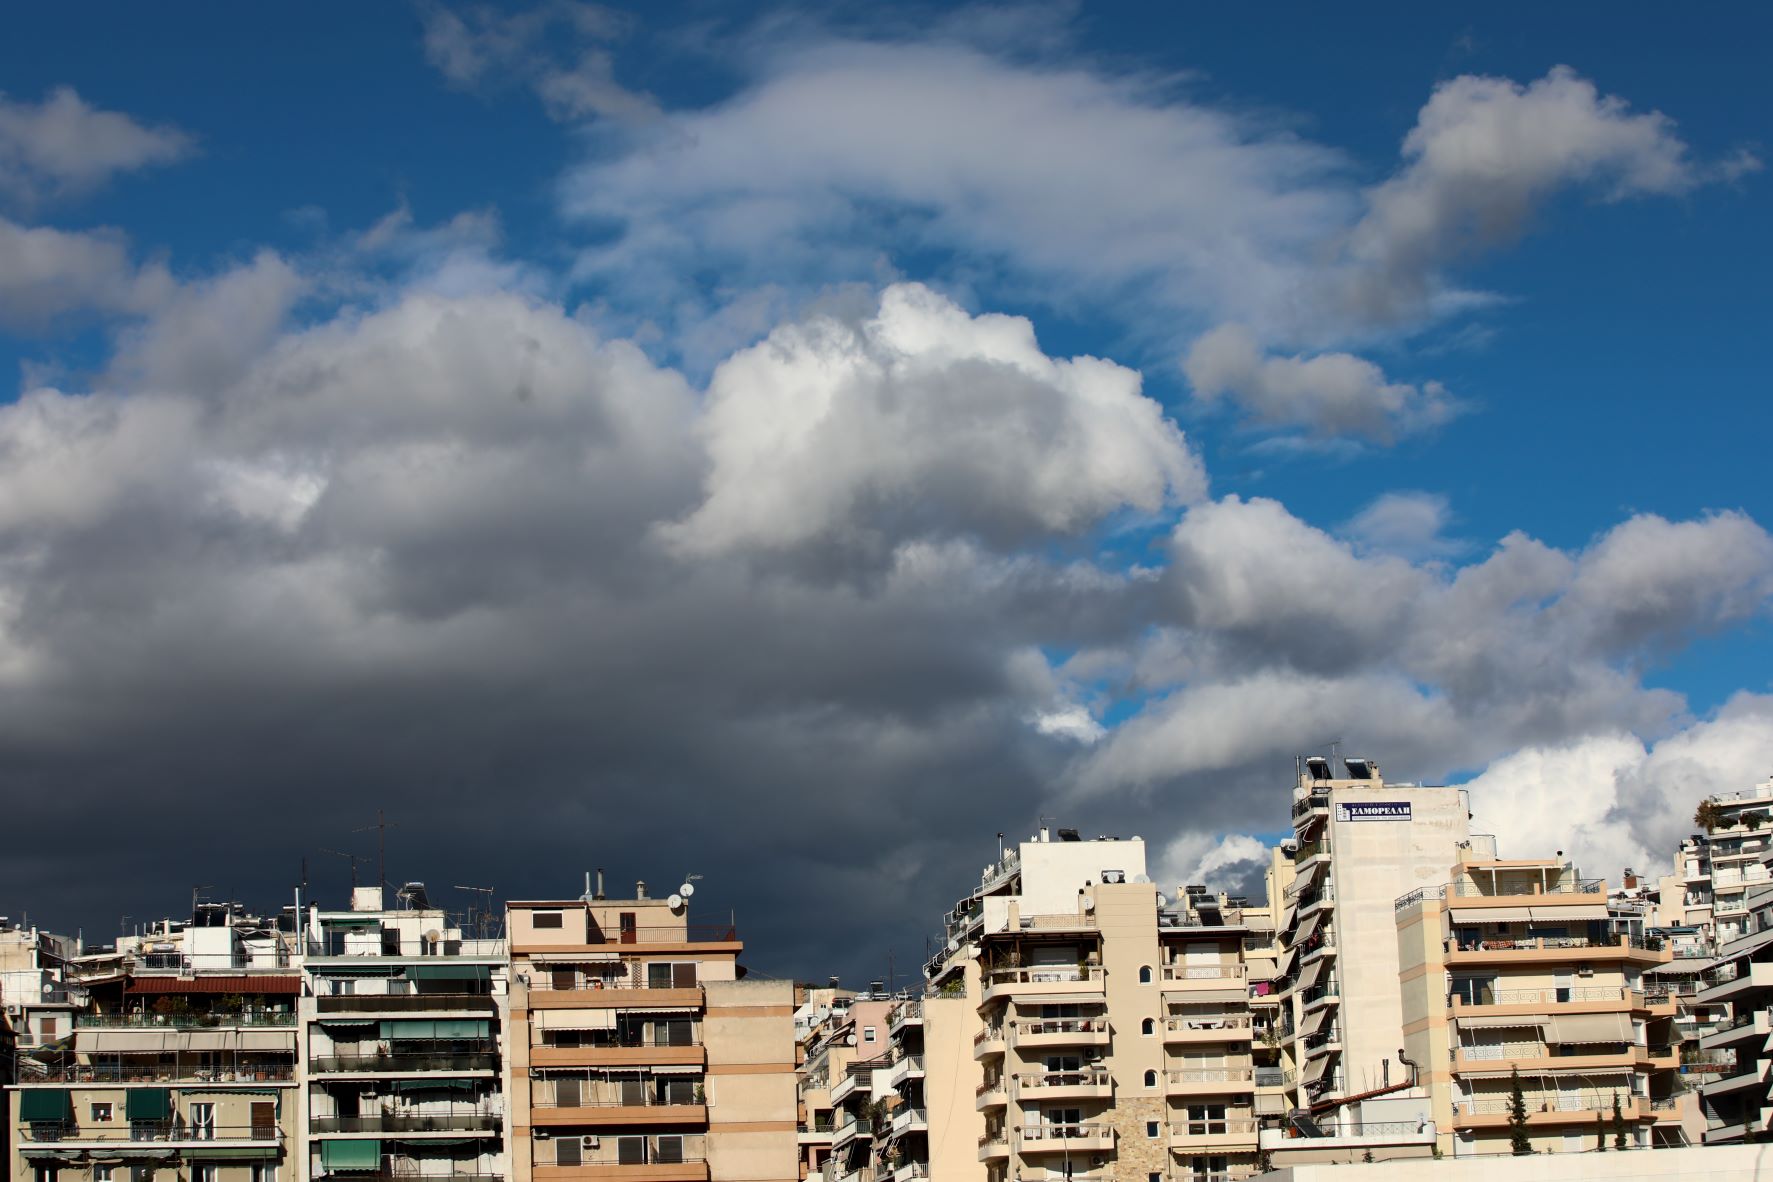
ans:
x=1286 y=919
x=1314 y=1070
x=148 y=1104
x=1588 y=1028
x=1309 y=974
x=45 y=1104
x=1491 y=915
x=542 y=959
x=438 y=1028
x=208 y=1040
x=375 y=969
x=574 y=1019
x=669 y=1011
x=121 y=1041
x=667 y=1069
x=267 y=1040
x=351 y=1155
x=1493 y=1021
x=231 y=1151
x=434 y=1085
x=330 y=1020
x=1285 y=964
x=1308 y=929
x=1580 y=913
x=449 y=972
x=1201 y=996
x=350 y=921
x=1314 y=1022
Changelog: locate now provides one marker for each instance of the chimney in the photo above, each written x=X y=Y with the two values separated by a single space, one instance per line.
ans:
x=1631 y=879
x=640 y=889
x=599 y=893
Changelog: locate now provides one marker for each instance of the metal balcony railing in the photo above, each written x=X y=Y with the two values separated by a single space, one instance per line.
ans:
x=477 y=1120
x=464 y=1061
x=140 y=1020
x=361 y=1003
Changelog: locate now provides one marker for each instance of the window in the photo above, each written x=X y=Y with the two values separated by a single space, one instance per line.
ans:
x=566 y=1151
x=1151 y=1128
x=102 y=1173
x=103 y=1114
x=1148 y=1026
x=264 y=1171
x=547 y=919
x=202 y=1126
x=669 y=1149
x=1208 y=1168
x=867 y=1034
x=1144 y=974
x=1151 y=1079
x=43 y=1172
x=204 y=1172
x=630 y=931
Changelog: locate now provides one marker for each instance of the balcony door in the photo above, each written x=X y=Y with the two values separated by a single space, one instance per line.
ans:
x=203 y=1122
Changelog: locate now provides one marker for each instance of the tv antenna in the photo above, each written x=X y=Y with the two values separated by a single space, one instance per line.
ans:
x=196 y=894
x=485 y=913
x=354 y=859
x=381 y=827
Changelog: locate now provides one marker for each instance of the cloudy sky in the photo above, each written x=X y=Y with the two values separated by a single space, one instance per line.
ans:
x=793 y=444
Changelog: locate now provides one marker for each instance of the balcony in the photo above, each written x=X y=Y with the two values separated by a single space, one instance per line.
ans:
x=1273 y=1077
x=1089 y=1084
x=994 y=1145
x=1469 y=949
x=909 y=1013
x=1067 y=1138
x=1548 y=1109
x=1061 y=1032
x=621 y=1110
x=1314 y=802
x=1212 y=1081
x=1063 y=980
x=905 y=1069
x=404 y=1064
x=1199 y=977
x=637 y=1052
x=1746 y=1025
x=1230 y=1028
x=1728 y=980
x=155 y=1071
x=989 y=1042
x=652 y=1158
x=1359 y=1137
x=1206 y=1136
x=615 y=997
x=404 y=1003
x=907 y=1121
x=152 y=1021
x=127 y=1137
x=993 y=1093
x=482 y=1121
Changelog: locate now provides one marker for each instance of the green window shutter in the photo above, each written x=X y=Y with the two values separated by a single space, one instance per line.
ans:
x=148 y=1104
x=449 y=972
x=46 y=1104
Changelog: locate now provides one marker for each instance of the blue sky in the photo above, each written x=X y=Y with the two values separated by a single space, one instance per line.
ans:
x=1541 y=315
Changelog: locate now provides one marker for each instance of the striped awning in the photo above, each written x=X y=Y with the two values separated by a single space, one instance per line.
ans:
x=573 y=1019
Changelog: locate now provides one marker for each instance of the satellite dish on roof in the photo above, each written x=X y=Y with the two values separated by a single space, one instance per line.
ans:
x=433 y=936
x=687 y=889
x=676 y=902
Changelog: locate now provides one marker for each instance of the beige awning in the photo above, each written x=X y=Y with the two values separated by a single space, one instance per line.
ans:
x=1201 y=996
x=1314 y=1070
x=1493 y=1021
x=1588 y=1028
x=1308 y=928
x=126 y=1041
x=267 y=1040
x=1581 y=913
x=1309 y=974
x=1285 y=964
x=573 y=1019
x=1286 y=919
x=547 y=958
x=1492 y=915
x=1313 y=1023
x=209 y=1040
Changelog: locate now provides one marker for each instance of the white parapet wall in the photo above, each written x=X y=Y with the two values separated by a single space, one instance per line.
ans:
x=1713 y=1163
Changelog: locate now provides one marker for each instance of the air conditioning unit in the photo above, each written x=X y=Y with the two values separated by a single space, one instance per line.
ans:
x=1585 y=970
x=544 y=1134
x=589 y=1142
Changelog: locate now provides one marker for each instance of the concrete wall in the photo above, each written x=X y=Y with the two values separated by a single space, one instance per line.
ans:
x=749 y=1032
x=951 y=1080
x=1052 y=871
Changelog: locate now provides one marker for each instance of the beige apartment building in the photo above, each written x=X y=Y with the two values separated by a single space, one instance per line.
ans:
x=1510 y=970
x=638 y=1051
x=181 y=1062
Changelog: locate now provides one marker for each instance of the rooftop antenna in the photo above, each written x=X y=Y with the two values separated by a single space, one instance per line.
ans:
x=354 y=858
x=197 y=893
x=485 y=913
x=381 y=827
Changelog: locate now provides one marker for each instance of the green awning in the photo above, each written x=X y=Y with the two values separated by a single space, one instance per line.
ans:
x=351 y=1155
x=233 y=1151
x=440 y=1028
x=448 y=972
x=357 y=970
x=350 y=921
x=441 y=1142
x=46 y=1104
x=434 y=1085
x=329 y=1020
x=148 y=1104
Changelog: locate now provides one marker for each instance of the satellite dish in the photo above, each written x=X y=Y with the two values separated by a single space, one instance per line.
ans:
x=432 y=936
x=1089 y=904
x=676 y=902
x=1162 y=902
x=687 y=889
x=954 y=945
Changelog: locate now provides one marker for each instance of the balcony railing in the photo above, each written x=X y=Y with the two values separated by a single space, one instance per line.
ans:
x=1047 y=975
x=480 y=1119
x=1204 y=972
x=466 y=1061
x=1061 y=1026
x=1273 y=1077
x=688 y=1099
x=1314 y=800
x=150 y=1132
x=1513 y=890
x=157 y=1072
x=1213 y=1128
x=360 y=1003
x=1228 y=1022
x=1092 y=1077
x=1521 y=997
x=1066 y=1132
x=1226 y=1075
x=132 y=1021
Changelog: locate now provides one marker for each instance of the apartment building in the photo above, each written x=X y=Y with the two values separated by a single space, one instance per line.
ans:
x=402 y=1023
x=1514 y=969
x=638 y=1050
x=1736 y=1054
x=182 y=1060
x=822 y=1054
x=1719 y=866
x=846 y=1056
